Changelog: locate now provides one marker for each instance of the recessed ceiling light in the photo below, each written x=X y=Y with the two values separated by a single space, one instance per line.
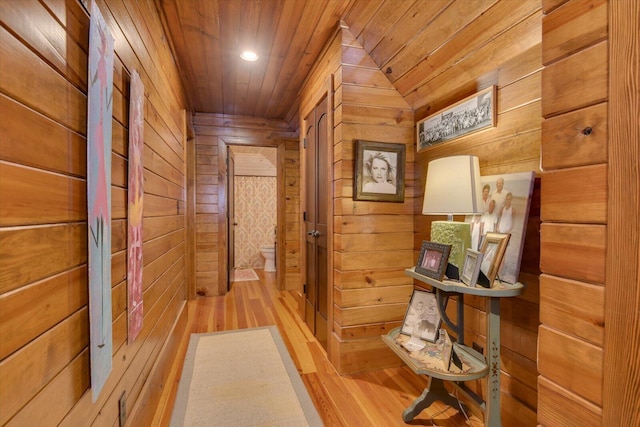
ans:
x=250 y=56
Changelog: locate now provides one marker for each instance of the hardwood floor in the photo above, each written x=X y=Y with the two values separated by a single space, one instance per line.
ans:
x=375 y=398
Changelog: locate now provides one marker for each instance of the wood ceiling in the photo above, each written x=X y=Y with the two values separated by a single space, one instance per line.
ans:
x=404 y=37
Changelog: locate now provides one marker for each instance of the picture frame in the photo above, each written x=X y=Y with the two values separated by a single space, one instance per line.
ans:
x=469 y=115
x=494 y=246
x=471 y=267
x=422 y=318
x=433 y=259
x=379 y=171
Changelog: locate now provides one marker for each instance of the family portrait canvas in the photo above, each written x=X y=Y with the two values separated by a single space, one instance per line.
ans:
x=506 y=200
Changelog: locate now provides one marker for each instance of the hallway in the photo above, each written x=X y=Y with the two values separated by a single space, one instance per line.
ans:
x=375 y=398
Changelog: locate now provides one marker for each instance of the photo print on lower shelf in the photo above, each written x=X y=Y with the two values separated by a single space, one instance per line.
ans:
x=422 y=319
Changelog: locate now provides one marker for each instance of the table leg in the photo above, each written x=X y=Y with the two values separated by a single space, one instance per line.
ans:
x=435 y=391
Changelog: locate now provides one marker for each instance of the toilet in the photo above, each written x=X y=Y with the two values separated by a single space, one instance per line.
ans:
x=269 y=254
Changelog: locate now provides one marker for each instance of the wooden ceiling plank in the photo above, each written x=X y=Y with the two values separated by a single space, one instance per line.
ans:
x=468 y=40
x=209 y=16
x=406 y=29
x=291 y=13
x=442 y=28
x=320 y=21
x=494 y=58
x=179 y=24
x=266 y=30
x=230 y=17
x=359 y=14
x=384 y=20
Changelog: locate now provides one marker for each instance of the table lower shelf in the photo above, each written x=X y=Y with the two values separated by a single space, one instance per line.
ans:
x=427 y=361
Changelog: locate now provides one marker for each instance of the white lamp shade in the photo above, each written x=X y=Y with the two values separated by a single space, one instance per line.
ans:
x=453 y=187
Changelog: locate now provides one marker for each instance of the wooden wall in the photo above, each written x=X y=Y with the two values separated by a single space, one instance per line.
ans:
x=460 y=58
x=372 y=241
x=574 y=212
x=213 y=133
x=44 y=324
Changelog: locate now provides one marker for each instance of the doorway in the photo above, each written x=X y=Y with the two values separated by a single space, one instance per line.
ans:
x=252 y=189
x=225 y=222
x=316 y=218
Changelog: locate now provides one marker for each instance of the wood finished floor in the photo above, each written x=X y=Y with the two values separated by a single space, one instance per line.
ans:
x=375 y=398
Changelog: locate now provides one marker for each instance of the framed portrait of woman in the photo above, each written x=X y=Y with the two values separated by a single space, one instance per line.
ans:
x=379 y=171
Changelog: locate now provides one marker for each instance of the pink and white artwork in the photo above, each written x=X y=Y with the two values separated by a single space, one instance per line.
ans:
x=99 y=118
x=135 y=196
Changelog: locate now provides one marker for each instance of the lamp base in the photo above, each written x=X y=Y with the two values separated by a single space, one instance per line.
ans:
x=454 y=233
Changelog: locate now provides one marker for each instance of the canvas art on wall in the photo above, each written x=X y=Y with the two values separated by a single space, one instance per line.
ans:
x=99 y=117
x=135 y=211
x=506 y=200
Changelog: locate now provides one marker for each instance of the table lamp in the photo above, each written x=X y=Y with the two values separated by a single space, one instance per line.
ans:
x=453 y=188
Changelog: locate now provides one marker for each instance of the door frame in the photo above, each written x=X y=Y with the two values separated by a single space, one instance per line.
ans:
x=223 y=211
x=328 y=93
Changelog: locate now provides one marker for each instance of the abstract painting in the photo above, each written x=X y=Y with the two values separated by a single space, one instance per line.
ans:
x=100 y=106
x=135 y=199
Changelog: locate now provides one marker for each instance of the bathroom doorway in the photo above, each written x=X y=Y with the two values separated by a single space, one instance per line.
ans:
x=227 y=218
x=253 y=209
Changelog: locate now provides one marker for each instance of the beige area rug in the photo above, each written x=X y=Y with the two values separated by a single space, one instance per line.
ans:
x=241 y=378
x=244 y=275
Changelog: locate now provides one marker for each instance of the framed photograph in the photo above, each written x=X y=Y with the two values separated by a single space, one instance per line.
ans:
x=379 y=171
x=493 y=248
x=433 y=259
x=506 y=200
x=422 y=318
x=471 y=267
x=471 y=114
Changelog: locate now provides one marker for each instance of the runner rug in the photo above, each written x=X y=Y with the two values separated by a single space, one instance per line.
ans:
x=243 y=275
x=241 y=378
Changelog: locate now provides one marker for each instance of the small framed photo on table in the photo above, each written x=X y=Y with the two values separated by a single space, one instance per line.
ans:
x=493 y=248
x=471 y=268
x=433 y=259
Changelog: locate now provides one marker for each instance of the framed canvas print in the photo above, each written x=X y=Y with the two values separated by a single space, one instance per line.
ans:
x=422 y=318
x=506 y=200
x=433 y=259
x=471 y=268
x=379 y=171
x=471 y=114
x=493 y=248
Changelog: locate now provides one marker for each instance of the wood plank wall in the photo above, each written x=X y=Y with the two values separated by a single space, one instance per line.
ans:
x=359 y=315
x=622 y=296
x=210 y=129
x=574 y=212
x=372 y=241
x=507 y=56
x=44 y=366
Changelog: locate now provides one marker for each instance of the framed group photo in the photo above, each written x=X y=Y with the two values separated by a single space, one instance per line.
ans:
x=422 y=318
x=379 y=171
x=471 y=114
x=433 y=259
